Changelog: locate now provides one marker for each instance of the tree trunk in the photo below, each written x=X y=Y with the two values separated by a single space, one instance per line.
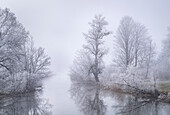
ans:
x=127 y=53
x=147 y=71
x=96 y=78
x=136 y=58
x=96 y=62
x=148 y=63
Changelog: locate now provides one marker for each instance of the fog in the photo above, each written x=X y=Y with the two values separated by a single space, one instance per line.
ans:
x=57 y=25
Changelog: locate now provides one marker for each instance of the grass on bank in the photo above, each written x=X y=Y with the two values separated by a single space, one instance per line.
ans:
x=165 y=86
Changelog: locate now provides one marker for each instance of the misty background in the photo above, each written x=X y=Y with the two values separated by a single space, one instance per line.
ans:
x=57 y=25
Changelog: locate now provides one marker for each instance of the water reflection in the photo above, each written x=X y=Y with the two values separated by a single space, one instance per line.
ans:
x=88 y=99
x=134 y=106
x=141 y=107
x=26 y=104
x=92 y=100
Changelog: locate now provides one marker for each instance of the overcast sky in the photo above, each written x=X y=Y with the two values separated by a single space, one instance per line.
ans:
x=57 y=25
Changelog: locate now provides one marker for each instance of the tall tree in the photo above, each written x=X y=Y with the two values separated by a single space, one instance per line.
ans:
x=94 y=46
x=125 y=41
x=19 y=62
x=36 y=64
x=132 y=43
x=12 y=39
x=164 y=58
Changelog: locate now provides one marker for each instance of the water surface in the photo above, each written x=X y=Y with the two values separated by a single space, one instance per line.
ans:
x=61 y=97
x=86 y=99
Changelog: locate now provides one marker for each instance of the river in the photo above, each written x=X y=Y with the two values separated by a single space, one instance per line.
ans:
x=77 y=99
x=61 y=97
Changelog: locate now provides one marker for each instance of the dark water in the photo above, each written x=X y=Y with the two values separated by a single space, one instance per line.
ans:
x=60 y=97
x=26 y=104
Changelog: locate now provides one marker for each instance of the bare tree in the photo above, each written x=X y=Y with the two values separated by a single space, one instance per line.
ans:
x=81 y=66
x=17 y=57
x=36 y=61
x=150 y=52
x=131 y=43
x=141 y=37
x=134 y=54
x=164 y=58
x=36 y=64
x=94 y=39
x=12 y=40
x=124 y=42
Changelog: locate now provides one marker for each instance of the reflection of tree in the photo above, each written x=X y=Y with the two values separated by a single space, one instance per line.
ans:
x=134 y=106
x=26 y=104
x=88 y=99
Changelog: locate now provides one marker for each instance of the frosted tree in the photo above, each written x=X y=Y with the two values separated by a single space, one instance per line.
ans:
x=35 y=67
x=36 y=61
x=94 y=45
x=20 y=61
x=132 y=43
x=124 y=42
x=134 y=54
x=81 y=66
x=164 y=58
x=12 y=39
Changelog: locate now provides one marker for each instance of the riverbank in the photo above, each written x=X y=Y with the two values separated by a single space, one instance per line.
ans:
x=14 y=94
x=160 y=94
